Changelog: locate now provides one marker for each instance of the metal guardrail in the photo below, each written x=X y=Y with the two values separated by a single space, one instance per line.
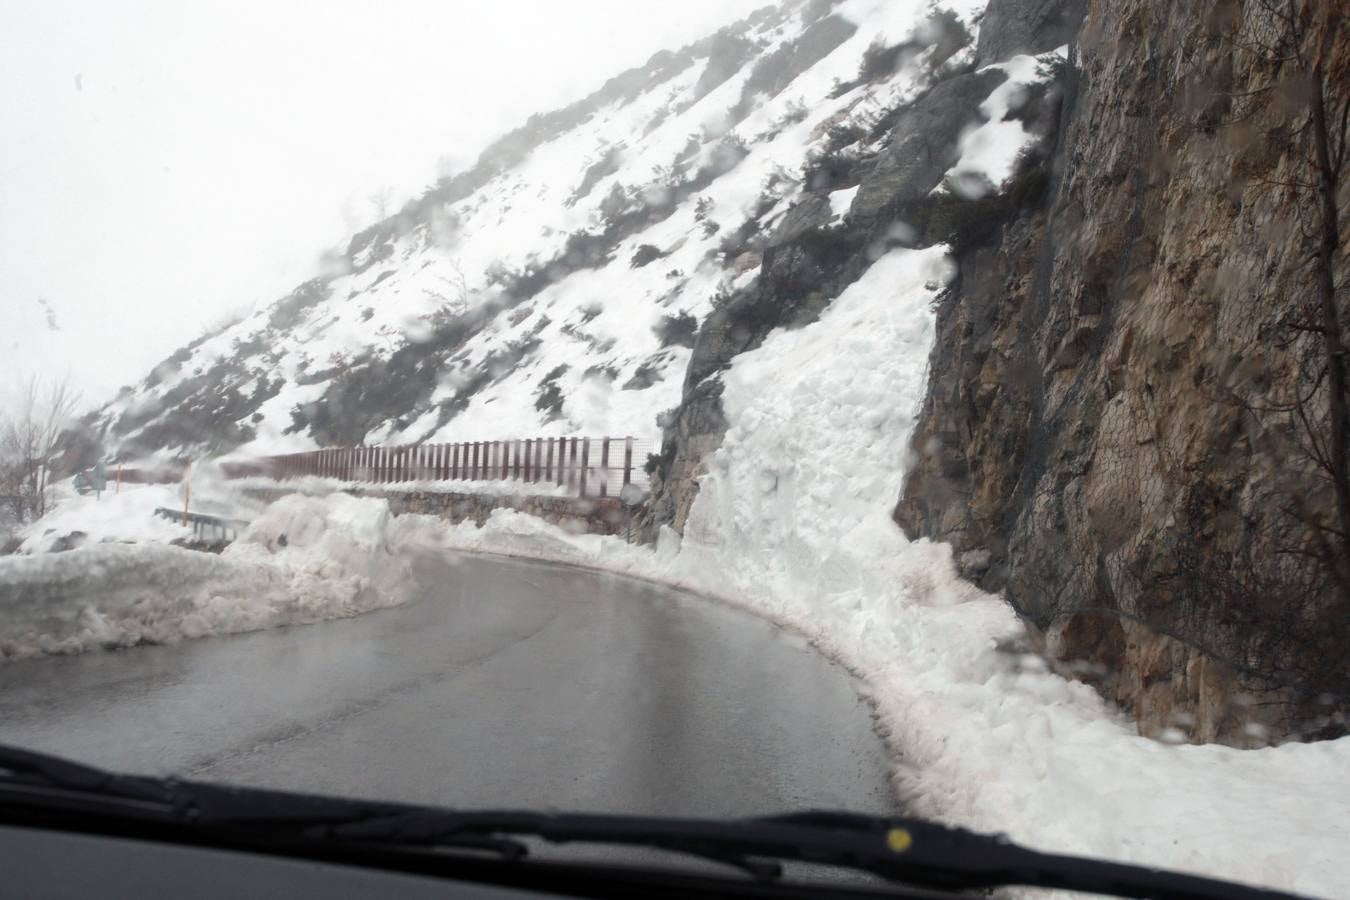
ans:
x=203 y=525
x=584 y=467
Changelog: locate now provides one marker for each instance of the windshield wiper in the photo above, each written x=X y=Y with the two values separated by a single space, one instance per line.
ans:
x=900 y=850
x=39 y=781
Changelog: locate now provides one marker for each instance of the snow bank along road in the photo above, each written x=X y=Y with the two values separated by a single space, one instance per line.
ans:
x=501 y=683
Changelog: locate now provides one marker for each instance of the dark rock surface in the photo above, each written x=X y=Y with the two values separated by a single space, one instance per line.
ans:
x=1011 y=27
x=1101 y=440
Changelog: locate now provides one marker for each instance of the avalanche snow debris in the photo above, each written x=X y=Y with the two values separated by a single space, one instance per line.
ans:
x=304 y=560
x=989 y=151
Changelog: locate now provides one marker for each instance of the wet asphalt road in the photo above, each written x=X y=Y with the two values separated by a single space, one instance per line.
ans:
x=502 y=683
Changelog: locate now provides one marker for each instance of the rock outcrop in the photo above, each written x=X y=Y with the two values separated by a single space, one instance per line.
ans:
x=1108 y=437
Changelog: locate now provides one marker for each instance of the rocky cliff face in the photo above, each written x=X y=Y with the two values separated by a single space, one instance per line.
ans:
x=1110 y=436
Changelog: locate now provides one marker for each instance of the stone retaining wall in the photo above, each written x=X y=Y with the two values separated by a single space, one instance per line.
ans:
x=591 y=515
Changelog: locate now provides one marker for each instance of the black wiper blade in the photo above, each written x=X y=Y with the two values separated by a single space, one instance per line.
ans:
x=905 y=851
x=430 y=827
x=43 y=781
x=31 y=767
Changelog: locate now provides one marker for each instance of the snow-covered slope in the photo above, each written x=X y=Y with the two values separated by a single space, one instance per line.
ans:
x=555 y=288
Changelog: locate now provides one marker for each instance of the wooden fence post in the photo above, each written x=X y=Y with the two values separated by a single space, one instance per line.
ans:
x=604 y=467
x=585 y=463
x=627 y=461
x=572 y=469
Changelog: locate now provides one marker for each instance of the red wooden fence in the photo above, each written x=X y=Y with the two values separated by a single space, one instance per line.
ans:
x=586 y=466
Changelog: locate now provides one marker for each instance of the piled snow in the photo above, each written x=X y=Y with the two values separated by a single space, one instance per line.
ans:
x=125 y=516
x=304 y=560
x=842 y=200
x=793 y=522
x=989 y=151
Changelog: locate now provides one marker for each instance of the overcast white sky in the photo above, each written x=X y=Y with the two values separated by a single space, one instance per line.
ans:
x=166 y=162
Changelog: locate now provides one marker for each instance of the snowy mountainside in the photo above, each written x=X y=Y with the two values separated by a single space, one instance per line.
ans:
x=556 y=287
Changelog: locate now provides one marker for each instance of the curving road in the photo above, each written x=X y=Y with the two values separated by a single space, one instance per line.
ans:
x=502 y=683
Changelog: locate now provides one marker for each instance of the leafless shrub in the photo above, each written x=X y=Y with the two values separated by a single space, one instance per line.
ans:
x=30 y=433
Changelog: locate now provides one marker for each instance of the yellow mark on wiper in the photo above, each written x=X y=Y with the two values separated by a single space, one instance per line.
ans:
x=899 y=840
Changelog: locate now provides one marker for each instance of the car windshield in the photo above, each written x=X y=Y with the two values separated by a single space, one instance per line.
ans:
x=936 y=408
